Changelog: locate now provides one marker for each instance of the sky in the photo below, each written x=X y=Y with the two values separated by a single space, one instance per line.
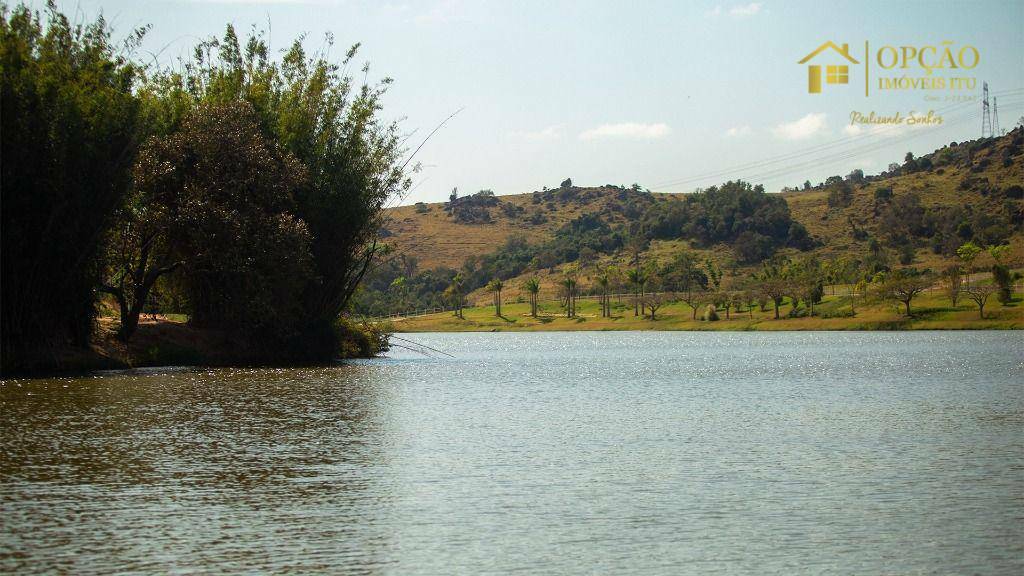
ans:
x=670 y=95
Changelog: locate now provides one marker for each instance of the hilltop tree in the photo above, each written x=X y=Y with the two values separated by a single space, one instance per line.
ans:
x=840 y=194
x=452 y=198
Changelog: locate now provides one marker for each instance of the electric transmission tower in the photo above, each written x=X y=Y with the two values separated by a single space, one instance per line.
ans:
x=986 y=118
x=995 y=118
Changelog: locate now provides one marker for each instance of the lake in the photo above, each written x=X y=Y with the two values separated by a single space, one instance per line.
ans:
x=540 y=453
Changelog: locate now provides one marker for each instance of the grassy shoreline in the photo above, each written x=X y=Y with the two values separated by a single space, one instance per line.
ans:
x=930 y=312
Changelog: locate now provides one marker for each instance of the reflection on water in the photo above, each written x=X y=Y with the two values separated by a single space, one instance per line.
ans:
x=637 y=453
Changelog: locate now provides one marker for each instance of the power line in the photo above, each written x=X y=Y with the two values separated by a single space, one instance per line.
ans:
x=995 y=117
x=986 y=118
x=871 y=136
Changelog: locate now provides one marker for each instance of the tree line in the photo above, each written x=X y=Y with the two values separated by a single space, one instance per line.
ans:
x=799 y=283
x=243 y=190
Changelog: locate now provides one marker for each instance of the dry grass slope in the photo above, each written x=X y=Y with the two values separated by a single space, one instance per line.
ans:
x=434 y=238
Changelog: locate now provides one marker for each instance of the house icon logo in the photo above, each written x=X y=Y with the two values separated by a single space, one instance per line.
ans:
x=834 y=73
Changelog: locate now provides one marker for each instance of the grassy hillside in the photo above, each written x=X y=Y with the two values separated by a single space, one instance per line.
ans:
x=977 y=182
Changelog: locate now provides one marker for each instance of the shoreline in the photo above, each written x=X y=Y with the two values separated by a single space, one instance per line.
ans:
x=833 y=314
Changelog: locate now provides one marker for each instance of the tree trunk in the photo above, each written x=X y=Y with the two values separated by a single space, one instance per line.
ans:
x=908 y=307
x=776 y=302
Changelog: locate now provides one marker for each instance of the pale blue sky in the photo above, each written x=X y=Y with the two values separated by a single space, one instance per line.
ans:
x=670 y=95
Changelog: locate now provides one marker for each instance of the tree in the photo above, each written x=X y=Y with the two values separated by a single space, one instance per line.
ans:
x=805 y=277
x=495 y=287
x=570 y=291
x=998 y=252
x=980 y=295
x=714 y=274
x=452 y=198
x=216 y=197
x=655 y=301
x=952 y=280
x=532 y=287
x=604 y=283
x=840 y=195
x=685 y=277
x=772 y=284
x=1003 y=279
x=750 y=299
x=331 y=123
x=637 y=278
x=904 y=285
x=70 y=124
x=737 y=299
x=968 y=252
x=454 y=292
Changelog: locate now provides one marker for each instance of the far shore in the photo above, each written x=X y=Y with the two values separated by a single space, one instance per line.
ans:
x=932 y=311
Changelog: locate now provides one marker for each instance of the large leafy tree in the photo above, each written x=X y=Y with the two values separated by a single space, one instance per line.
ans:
x=215 y=197
x=317 y=112
x=69 y=135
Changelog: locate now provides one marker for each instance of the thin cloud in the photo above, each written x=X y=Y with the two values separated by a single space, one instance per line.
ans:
x=810 y=125
x=627 y=131
x=444 y=12
x=266 y=2
x=752 y=9
x=737 y=131
x=740 y=11
x=543 y=135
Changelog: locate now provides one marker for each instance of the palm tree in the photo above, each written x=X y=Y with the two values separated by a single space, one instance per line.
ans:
x=495 y=287
x=569 y=287
x=532 y=286
x=604 y=281
x=455 y=289
x=637 y=278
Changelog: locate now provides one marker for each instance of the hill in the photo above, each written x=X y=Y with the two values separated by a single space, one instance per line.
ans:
x=914 y=214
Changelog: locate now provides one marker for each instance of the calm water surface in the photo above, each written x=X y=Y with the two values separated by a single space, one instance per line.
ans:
x=562 y=453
